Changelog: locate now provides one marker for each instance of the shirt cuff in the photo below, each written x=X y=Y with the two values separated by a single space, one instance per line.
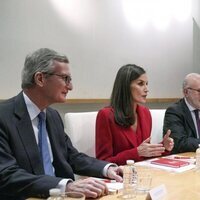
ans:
x=62 y=184
x=105 y=169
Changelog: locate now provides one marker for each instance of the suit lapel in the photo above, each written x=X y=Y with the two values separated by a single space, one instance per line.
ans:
x=144 y=122
x=51 y=129
x=27 y=136
x=53 y=134
x=57 y=147
x=188 y=116
x=130 y=135
x=143 y=125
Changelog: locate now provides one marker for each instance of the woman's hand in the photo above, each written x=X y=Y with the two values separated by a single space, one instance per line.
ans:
x=150 y=150
x=168 y=142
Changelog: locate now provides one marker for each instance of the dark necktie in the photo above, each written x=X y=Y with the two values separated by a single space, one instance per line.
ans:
x=43 y=145
x=196 y=112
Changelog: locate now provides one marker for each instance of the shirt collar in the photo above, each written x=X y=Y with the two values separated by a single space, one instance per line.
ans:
x=33 y=110
x=191 y=108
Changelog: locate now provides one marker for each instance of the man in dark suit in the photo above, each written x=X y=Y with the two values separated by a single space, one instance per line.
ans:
x=46 y=79
x=181 y=119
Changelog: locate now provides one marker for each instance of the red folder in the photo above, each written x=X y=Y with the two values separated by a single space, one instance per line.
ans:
x=170 y=162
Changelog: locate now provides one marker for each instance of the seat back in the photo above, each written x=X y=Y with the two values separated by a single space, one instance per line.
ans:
x=157 y=125
x=81 y=129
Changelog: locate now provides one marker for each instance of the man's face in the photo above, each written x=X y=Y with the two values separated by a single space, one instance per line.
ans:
x=58 y=83
x=192 y=92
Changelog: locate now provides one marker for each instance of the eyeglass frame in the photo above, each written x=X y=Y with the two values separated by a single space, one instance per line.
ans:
x=197 y=90
x=66 y=78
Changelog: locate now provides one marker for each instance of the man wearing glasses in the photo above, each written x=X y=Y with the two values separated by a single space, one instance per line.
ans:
x=183 y=117
x=35 y=152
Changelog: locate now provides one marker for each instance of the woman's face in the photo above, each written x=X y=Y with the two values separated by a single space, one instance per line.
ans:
x=139 y=89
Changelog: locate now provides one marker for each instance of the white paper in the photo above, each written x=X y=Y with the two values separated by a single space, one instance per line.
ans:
x=171 y=169
x=115 y=186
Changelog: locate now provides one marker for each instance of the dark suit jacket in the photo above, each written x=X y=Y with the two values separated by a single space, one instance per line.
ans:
x=21 y=170
x=178 y=118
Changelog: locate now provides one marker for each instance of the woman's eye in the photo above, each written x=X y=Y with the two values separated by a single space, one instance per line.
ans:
x=141 y=83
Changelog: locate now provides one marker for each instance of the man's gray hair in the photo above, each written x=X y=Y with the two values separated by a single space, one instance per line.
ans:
x=41 y=60
x=188 y=79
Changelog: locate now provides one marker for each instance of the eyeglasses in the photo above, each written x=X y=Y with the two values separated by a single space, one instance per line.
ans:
x=66 y=78
x=197 y=90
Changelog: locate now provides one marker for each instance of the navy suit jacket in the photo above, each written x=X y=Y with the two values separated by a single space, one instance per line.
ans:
x=178 y=118
x=21 y=170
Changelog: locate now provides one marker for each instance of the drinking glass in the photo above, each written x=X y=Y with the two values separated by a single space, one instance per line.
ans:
x=143 y=179
x=73 y=196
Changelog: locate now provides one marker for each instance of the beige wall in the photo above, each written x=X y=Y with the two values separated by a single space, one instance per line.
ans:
x=98 y=39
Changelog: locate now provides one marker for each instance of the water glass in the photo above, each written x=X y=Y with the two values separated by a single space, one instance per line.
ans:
x=144 y=180
x=73 y=196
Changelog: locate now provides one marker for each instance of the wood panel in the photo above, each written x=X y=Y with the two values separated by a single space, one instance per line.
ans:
x=88 y=101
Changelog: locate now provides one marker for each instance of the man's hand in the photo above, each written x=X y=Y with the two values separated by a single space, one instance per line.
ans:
x=92 y=188
x=168 y=142
x=115 y=172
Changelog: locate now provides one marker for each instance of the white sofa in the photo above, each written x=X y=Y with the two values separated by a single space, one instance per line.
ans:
x=81 y=129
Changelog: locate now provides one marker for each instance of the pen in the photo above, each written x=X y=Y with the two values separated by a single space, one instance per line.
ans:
x=183 y=157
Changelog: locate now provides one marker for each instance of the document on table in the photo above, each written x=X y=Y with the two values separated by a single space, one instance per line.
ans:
x=112 y=184
x=115 y=186
x=170 y=162
x=167 y=168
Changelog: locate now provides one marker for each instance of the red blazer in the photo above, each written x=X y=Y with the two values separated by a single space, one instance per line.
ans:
x=117 y=144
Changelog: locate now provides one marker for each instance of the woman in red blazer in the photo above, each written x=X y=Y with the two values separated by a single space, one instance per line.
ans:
x=123 y=129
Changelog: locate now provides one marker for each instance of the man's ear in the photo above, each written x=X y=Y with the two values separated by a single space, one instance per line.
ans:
x=185 y=92
x=39 y=79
